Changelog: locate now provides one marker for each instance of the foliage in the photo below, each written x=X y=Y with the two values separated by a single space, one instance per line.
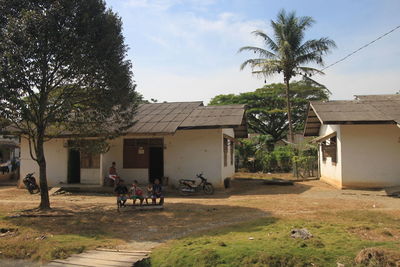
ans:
x=266 y=110
x=255 y=155
x=63 y=71
x=288 y=53
x=332 y=242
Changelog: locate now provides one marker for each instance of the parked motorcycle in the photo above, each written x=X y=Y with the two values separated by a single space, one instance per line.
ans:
x=30 y=184
x=187 y=187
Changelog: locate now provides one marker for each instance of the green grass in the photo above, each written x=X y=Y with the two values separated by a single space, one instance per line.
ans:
x=335 y=240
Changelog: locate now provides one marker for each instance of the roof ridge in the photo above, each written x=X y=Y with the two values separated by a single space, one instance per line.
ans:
x=175 y=102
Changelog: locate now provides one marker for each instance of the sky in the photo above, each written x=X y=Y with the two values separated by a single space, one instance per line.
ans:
x=186 y=50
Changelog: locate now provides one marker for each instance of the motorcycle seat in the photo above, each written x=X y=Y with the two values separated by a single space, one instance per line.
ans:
x=187 y=180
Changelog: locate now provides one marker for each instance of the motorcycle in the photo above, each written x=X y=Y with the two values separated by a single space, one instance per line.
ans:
x=187 y=187
x=30 y=184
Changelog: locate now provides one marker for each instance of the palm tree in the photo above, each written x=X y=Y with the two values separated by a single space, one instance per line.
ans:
x=288 y=53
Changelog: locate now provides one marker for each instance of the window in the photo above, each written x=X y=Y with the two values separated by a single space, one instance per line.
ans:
x=136 y=153
x=90 y=160
x=225 y=152
x=329 y=149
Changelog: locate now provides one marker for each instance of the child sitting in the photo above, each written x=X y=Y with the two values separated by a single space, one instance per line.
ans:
x=149 y=192
x=136 y=193
x=122 y=191
x=157 y=193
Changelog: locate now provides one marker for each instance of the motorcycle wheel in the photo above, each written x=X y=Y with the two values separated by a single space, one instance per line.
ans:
x=34 y=190
x=208 y=189
x=182 y=190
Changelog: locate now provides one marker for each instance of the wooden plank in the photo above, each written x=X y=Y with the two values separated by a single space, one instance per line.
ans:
x=117 y=259
x=122 y=250
x=108 y=254
x=56 y=264
x=142 y=207
x=65 y=263
x=54 y=190
x=95 y=262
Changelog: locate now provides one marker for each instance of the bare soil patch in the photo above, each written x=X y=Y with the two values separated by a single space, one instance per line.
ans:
x=95 y=217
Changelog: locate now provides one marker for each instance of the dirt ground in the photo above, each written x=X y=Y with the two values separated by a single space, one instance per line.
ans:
x=245 y=200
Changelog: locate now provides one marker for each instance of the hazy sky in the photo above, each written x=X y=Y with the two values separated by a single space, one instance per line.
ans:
x=185 y=50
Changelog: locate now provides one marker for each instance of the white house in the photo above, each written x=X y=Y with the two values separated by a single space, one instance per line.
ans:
x=359 y=140
x=174 y=140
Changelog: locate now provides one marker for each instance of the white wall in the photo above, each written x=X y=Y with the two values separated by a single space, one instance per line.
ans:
x=371 y=156
x=56 y=161
x=331 y=172
x=90 y=176
x=186 y=153
x=189 y=152
x=229 y=170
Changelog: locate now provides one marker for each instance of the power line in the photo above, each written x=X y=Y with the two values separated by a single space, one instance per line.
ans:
x=362 y=47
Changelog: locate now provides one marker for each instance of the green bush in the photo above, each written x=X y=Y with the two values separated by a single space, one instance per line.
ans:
x=257 y=154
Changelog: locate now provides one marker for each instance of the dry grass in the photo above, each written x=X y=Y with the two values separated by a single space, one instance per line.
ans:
x=93 y=220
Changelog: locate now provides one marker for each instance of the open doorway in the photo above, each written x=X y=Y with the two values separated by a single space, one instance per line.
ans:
x=156 y=163
x=74 y=166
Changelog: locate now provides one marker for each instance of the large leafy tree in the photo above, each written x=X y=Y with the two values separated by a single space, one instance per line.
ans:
x=287 y=53
x=63 y=71
x=266 y=111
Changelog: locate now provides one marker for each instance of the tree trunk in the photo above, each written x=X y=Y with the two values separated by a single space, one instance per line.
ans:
x=41 y=160
x=289 y=111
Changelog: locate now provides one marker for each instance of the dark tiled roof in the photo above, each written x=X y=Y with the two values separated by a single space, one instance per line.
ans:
x=162 y=117
x=166 y=118
x=365 y=109
x=226 y=115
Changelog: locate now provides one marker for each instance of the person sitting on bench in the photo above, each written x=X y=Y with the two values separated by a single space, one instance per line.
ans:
x=122 y=193
x=149 y=192
x=136 y=193
x=157 y=193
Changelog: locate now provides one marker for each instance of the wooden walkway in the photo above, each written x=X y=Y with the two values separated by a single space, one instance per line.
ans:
x=102 y=258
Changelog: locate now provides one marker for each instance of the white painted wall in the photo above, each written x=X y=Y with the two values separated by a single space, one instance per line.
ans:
x=229 y=170
x=331 y=172
x=186 y=153
x=56 y=161
x=90 y=176
x=189 y=152
x=371 y=156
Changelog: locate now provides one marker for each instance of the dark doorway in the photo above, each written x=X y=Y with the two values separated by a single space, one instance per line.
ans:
x=74 y=166
x=156 y=163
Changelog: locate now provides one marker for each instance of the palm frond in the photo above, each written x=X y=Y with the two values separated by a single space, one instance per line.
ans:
x=304 y=71
x=268 y=41
x=305 y=22
x=312 y=81
x=253 y=62
x=267 y=67
x=257 y=50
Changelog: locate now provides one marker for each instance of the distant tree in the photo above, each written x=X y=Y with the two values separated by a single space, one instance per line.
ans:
x=63 y=70
x=288 y=53
x=267 y=106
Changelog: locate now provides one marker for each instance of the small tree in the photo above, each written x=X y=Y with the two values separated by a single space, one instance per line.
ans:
x=266 y=108
x=63 y=70
x=288 y=53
